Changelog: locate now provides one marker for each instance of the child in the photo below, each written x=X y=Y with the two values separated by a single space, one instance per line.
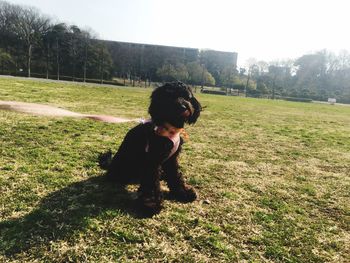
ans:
x=150 y=151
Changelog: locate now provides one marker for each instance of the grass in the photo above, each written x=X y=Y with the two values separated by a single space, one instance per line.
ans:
x=273 y=179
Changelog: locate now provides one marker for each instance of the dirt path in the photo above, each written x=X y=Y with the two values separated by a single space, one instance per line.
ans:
x=46 y=110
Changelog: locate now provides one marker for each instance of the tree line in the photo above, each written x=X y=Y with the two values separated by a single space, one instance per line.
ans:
x=32 y=44
x=318 y=76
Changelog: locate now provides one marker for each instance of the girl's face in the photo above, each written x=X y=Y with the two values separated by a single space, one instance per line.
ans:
x=167 y=130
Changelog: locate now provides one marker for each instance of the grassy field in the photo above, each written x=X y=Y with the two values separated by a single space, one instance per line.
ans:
x=273 y=179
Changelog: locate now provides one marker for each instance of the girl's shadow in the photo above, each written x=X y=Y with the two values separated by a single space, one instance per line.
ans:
x=63 y=212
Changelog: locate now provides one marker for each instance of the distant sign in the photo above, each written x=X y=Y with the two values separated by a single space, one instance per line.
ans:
x=332 y=100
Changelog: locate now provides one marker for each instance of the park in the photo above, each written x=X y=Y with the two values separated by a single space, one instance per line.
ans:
x=254 y=94
x=272 y=178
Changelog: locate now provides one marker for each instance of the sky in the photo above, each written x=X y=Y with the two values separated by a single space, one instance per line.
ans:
x=264 y=29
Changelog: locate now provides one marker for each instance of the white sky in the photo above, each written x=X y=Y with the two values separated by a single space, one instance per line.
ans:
x=264 y=29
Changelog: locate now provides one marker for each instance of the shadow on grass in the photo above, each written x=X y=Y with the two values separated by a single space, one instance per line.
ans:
x=62 y=213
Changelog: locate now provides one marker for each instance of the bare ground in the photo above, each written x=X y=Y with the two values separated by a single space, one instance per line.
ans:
x=47 y=110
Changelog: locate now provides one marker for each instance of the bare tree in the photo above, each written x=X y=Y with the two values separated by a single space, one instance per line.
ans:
x=30 y=25
x=86 y=40
x=8 y=38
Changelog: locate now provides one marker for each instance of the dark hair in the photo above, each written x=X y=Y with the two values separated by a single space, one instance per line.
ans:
x=174 y=103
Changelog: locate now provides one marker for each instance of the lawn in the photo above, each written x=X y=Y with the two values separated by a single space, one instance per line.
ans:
x=273 y=179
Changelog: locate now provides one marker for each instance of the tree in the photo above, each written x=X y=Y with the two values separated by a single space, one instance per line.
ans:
x=169 y=72
x=99 y=64
x=75 y=40
x=217 y=62
x=29 y=40
x=46 y=49
x=198 y=74
x=208 y=79
x=56 y=40
x=311 y=75
x=105 y=62
x=86 y=46
x=228 y=77
x=29 y=26
x=9 y=40
x=5 y=58
x=262 y=88
x=195 y=72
